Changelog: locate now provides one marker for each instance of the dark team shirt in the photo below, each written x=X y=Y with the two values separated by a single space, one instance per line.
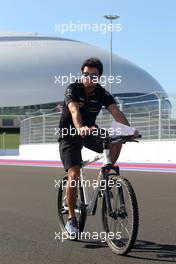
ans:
x=89 y=107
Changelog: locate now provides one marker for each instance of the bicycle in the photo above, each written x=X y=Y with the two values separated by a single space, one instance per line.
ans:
x=114 y=201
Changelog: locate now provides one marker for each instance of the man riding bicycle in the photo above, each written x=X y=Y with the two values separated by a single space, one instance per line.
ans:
x=83 y=101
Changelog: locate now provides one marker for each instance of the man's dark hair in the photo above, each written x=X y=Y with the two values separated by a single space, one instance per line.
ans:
x=93 y=62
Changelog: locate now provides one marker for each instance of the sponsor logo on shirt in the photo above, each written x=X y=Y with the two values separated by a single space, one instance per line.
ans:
x=81 y=104
x=68 y=92
x=81 y=99
x=93 y=101
x=93 y=109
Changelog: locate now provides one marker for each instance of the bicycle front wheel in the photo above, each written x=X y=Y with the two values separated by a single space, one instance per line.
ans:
x=122 y=225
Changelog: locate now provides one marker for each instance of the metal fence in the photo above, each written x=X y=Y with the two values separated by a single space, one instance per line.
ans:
x=151 y=119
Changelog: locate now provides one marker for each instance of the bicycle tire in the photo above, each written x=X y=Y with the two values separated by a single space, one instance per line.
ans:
x=119 y=250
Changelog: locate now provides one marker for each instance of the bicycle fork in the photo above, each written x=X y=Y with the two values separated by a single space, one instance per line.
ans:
x=121 y=211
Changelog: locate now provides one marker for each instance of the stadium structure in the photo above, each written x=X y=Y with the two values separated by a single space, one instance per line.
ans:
x=35 y=70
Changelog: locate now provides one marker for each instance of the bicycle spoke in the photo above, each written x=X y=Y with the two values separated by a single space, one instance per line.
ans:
x=125 y=228
x=123 y=218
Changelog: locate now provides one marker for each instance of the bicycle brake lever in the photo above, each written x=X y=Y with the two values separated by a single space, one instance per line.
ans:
x=134 y=140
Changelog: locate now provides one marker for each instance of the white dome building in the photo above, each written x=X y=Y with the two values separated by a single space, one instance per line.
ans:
x=31 y=64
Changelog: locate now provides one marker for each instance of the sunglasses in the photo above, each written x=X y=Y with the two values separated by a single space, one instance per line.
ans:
x=93 y=75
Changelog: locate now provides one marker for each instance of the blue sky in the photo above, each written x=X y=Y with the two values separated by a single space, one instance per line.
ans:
x=147 y=38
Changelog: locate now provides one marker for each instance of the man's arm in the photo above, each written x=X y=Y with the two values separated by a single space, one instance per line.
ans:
x=76 y=116
x=120 y=117
x=77 y=120
x=117 y=114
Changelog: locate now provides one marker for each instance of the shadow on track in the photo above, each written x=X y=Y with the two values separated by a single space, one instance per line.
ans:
x=160 y=252
x=151 y=250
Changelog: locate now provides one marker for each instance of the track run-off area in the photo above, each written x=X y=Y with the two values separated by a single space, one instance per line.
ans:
x=29 y=221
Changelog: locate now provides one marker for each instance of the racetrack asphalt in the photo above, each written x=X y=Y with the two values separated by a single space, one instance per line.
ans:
x=28 y=220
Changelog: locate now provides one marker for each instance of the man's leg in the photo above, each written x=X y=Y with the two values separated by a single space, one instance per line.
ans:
x=73 y=176
x=115 y=150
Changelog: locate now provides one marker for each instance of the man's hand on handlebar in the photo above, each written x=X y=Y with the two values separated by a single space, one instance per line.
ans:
x=136 y=135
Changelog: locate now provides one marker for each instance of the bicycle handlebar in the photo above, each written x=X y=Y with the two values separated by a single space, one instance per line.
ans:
x=118 y=138
x=124 y=139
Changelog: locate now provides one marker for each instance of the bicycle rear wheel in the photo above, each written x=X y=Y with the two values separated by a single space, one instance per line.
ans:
x=122 y=226
x=80 y=209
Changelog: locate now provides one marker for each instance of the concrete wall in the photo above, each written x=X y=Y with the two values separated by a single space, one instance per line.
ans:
x=156 y=151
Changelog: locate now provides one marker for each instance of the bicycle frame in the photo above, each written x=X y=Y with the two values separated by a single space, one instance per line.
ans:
x=107 y=163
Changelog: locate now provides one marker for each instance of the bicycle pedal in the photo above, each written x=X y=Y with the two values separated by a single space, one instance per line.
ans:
x=100 y=194
x=64 y=211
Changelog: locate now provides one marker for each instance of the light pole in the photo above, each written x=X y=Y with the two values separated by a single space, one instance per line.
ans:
x=111 y=17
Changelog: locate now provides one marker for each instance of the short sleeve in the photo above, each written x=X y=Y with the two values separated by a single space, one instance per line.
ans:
x=108 y=99
x=71 y=94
